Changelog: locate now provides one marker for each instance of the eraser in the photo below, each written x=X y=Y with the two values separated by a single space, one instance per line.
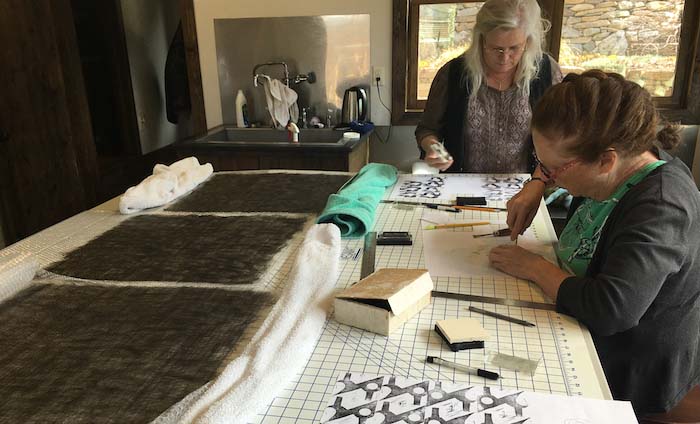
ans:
x=458 y=330
x=394 y=238
x=455 y=347
x=471 y=201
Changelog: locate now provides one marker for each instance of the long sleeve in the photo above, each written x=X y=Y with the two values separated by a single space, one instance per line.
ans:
x=434 y=118
x=649 y=248
x=648 y=242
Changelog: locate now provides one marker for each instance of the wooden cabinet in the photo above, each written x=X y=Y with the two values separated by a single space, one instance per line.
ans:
x=235 y=157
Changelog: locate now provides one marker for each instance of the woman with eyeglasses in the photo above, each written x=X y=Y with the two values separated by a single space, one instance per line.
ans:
x=630 y=252
x=480 y=103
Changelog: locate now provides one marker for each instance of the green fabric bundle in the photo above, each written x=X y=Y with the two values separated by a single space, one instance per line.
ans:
x=352 y=208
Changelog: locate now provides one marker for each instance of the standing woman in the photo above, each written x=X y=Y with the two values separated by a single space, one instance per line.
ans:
x=630 y=252
x=480 y=103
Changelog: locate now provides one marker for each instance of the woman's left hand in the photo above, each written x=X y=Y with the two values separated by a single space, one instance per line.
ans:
x=514 y=260
x=521 y=263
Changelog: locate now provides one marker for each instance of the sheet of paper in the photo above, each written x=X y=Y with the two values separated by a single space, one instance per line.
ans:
x=456 y=253
x=365 y=398
x=444 y=188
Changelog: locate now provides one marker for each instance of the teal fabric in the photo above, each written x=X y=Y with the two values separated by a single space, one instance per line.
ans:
x=352 y=208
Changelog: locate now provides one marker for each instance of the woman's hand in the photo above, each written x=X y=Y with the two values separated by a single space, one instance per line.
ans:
x=522 y=207
x=431 y=157
x=521 y=263
x=514 y=260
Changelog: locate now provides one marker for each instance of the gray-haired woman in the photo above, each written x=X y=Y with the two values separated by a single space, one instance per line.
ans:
x=480 y=103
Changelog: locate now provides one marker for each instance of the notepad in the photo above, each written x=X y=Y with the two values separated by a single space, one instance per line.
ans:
x=462 y=333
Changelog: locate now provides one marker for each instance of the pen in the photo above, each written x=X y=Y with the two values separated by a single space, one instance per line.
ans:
x=442 y=208
x=501 y=316
x=481 y=373
x=480 y=208
x=456 y=225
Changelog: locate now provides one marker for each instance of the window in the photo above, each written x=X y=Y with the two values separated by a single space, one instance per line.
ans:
x=637 y=41
x=652 y=42
x=444 y=32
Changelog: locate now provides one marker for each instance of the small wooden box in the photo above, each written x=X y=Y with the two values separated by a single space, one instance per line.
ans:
x=384 y=300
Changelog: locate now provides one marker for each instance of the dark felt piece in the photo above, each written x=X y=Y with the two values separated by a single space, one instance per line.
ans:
x=296 y=193
x=91 y=354
x=225 y=250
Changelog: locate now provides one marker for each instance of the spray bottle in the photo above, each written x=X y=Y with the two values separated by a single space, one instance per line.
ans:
x=241 y=110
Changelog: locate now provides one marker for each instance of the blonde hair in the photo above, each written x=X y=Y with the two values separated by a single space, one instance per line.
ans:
x=508 y=15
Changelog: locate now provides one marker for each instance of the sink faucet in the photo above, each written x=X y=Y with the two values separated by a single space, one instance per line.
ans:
x=260 y=65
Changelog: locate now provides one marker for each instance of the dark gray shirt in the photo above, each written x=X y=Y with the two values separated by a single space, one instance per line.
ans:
x=640 y=297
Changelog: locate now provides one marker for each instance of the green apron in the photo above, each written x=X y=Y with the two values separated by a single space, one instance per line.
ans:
x=579 y=239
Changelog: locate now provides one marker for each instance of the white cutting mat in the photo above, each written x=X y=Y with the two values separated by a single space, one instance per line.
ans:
x=569 y=364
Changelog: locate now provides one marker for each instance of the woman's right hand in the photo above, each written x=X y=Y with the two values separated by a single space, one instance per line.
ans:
x=431 y=157
x=522 y=207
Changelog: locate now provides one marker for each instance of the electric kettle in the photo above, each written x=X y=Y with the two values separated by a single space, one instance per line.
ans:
x=354 y=105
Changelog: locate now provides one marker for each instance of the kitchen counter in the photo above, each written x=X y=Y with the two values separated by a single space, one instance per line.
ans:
x=231 y=149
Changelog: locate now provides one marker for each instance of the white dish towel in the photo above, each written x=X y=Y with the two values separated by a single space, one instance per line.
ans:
x=279 y=349
x=281 y=102
x=166 y=184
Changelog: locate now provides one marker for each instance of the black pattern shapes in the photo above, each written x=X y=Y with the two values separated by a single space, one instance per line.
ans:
x=502 y=188
x=370 y=399
x=430 y=188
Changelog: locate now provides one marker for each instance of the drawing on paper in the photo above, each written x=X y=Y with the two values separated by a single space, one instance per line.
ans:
x=430 y=187
x=448 y=186
x=389 y=399
x=502 y=188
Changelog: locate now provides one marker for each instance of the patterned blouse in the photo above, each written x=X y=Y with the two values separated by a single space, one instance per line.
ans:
x=497 y=125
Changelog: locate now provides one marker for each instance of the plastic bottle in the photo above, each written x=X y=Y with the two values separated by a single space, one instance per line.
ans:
x=241 y=110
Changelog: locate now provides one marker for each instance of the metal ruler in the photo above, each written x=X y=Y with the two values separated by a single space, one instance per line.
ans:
x=495 y=300
x=368 y=251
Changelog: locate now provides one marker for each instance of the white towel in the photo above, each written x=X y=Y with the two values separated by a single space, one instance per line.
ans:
x=17 y=270
x=281 y=102
x=279 y=349
x=166 y=184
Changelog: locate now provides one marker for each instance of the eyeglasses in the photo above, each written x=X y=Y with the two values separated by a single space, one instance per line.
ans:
x=509 y=51
x=551 y=175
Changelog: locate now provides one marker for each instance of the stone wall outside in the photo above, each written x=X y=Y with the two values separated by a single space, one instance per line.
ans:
x=638 y=39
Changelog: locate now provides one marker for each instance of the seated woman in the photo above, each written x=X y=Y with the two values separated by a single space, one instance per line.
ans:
x=630 y=252
x=480 y=103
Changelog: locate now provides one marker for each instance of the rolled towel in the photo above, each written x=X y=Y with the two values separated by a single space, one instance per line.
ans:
x=191 y=178
x=182 y=165
x=352 y=208
x=166 y=184
x=280 y=348
x=155 y=190
x=17 y=269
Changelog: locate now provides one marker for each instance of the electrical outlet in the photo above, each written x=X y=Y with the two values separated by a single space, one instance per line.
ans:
x=378 y=72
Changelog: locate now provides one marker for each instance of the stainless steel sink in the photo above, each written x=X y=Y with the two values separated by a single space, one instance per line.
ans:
x=271 y=135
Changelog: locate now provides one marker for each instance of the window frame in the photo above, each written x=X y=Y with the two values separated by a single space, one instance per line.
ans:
x=407 y=109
